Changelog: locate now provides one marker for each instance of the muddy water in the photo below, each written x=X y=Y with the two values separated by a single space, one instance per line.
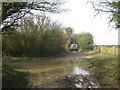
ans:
x=47 y=71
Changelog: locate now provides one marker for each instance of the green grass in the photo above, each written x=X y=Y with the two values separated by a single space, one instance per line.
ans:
x=34 y=58
x=26 y=58
x=87 y=51
x=13 y=77
x=106 y=69
x=21 y=70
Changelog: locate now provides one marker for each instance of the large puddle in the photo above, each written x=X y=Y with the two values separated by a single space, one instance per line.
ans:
x=47 y=71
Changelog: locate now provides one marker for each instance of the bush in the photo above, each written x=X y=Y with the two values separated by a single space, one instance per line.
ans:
x=42 y=38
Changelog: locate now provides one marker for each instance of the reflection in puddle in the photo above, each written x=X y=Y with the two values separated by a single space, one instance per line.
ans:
x=45 y=72
x=77 y=70
x=51 y=72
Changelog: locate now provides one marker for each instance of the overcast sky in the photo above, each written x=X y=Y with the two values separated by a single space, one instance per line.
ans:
x=80 y=18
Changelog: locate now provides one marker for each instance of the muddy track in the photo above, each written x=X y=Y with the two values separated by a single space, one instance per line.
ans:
x=62 y=72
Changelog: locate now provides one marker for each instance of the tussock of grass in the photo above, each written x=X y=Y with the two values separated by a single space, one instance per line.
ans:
x=106 y=69
x=20 y=70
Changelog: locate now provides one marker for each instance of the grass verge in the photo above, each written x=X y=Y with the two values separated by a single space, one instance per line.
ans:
x=13 y=77
x=106 y=69
x=8 y=58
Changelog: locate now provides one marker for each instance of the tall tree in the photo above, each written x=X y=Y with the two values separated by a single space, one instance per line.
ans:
x=110 y=7
x=84 y=40
x=13 y=11
x=69 y=32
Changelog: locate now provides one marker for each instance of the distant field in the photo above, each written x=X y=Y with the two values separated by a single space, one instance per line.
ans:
x=113 y=49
